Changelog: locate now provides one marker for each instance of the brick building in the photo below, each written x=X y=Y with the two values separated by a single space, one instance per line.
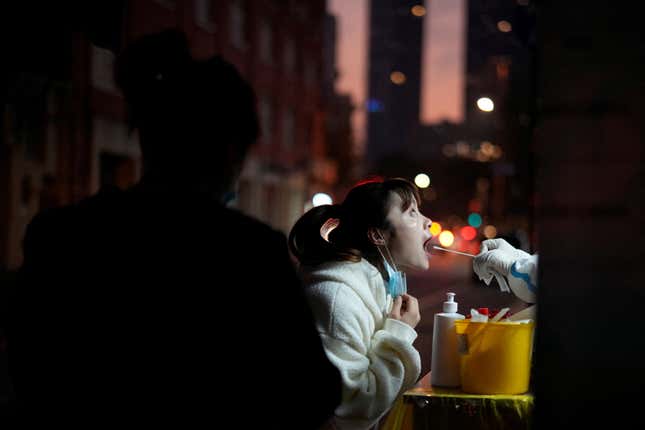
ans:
x=65 y=131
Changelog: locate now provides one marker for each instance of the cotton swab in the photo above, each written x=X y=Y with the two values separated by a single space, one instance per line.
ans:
x=453 y=251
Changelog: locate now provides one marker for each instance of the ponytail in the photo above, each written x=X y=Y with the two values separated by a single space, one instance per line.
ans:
x=312 y=238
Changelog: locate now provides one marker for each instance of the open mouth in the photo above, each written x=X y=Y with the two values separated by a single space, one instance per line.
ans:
x=427 y=245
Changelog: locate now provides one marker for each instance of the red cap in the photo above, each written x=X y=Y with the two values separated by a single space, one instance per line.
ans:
x=483 y=311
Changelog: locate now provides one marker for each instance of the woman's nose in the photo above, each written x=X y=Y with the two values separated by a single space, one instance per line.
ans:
x=428 y=222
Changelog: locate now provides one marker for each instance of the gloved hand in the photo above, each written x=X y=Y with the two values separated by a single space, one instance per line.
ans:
x=488 y=263
x=491 y=244
x=495 y=259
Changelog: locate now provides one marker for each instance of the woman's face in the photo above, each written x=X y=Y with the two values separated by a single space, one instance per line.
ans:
x=410 y=232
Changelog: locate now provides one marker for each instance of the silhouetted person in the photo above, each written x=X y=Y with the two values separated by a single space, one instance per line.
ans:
x=157 y=304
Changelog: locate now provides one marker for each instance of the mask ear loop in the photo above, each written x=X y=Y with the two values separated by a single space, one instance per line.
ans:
x=391 y=260
x=402 y=286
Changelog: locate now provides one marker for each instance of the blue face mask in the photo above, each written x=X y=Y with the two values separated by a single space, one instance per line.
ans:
x=396 y=285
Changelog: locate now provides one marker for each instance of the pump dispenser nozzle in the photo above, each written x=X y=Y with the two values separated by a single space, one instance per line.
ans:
x=450 y=305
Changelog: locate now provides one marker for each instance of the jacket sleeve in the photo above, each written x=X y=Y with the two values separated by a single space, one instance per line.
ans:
x=522 y=278
x=375 y=366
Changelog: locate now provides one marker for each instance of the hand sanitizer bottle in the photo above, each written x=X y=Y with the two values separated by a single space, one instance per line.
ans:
x=445 y=364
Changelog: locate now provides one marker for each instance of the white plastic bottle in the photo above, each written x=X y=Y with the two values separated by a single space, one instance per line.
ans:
x=445 y=365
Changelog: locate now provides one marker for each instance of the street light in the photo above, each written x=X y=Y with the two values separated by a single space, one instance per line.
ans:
x=485 y=104
x=418 y=10
x=397 y=78
x=504 y=26
x=321 y=199
x=422 y=180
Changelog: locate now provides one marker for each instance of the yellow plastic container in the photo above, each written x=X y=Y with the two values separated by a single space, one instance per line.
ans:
x=495 y=356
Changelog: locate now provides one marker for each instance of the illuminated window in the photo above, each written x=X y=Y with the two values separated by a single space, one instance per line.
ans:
x=289 y=55
x=266 y=119
x=288 y=129
x=102 y=66
x=203 y=14
x=265 y=43
x=310 y=72
x=237 y=29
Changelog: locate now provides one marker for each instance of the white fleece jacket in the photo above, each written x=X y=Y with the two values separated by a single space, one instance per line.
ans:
x=373 y=353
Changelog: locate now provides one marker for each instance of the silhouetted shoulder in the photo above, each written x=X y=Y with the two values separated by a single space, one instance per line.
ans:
x=55 y=227
x=254 y=225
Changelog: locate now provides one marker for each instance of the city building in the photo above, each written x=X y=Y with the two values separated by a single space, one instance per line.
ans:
x=65 y=130
x=499 y=102
x=394 y=79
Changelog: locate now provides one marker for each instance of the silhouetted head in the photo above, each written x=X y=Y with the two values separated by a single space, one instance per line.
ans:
x=196 y=118
x=374 y=213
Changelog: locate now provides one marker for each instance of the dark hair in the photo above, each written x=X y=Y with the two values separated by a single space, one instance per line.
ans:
x=191 y=112
x=365 y=206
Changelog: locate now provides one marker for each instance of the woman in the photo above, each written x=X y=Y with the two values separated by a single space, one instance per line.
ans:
x=349 y=255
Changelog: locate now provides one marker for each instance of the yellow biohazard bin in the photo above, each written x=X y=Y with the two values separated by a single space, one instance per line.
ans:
x=495 y=356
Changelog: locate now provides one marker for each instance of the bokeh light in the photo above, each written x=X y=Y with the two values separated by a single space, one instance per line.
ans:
x=422 y=180
x=475 y=220
x=504 y=26
x=397 y=77
x=446 y=238
x=485 y=104
x=321 y=199
x=468 y=232
x=418 y=10
x=435 y=228
x=490 y=231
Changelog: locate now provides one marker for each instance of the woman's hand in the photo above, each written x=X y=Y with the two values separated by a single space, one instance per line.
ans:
x=405 y=308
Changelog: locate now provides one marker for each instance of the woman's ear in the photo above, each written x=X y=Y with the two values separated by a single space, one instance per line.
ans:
x=375 y=236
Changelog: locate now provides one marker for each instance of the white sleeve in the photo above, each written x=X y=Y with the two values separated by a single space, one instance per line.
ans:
x=522 y=278
x=375 y=366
